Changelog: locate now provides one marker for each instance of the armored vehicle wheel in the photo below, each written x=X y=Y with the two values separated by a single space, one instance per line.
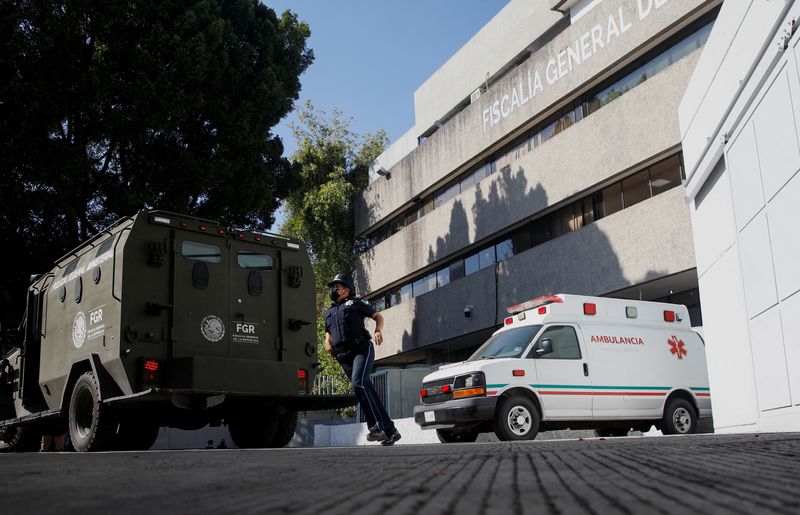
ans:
x=516 y=418
x=19 y=439
x=287 y=424
x=611 y=431
x=680 y=418
x=134 y=436
x=254 y=432
x=91 y=426
x=452 y=436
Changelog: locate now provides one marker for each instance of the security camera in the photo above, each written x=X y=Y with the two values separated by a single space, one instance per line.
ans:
x=468 y=310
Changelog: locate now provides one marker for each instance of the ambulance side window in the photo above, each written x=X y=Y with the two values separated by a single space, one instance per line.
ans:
x=565 y=343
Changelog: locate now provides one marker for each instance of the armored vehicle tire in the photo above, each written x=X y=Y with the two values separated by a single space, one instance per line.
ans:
x=611 y=431
x=516 y=418
x=287 y=424
x=91 y=426
x=257 y=431
x=452 y=436
x=680 y=418
x=19 y=439
x=136 y=436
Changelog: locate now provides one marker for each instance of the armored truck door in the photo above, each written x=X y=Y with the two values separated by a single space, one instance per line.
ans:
x=254 y=301
x=201 y=318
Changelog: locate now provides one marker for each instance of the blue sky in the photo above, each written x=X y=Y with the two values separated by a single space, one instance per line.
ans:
x=370 y=56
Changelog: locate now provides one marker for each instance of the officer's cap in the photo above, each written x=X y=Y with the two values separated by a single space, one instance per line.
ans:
x=344 y=279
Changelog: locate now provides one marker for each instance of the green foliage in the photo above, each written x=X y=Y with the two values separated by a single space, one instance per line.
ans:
x=332 y=167
x=108 y=107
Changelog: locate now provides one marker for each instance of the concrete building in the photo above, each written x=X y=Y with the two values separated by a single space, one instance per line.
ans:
x=546 y=157
x=739 y=124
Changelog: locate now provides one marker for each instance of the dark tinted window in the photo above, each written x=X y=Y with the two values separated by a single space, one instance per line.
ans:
x=105 y=247
x=70 y=267
x=201 y=252
x=636 y=188
x=254 y=260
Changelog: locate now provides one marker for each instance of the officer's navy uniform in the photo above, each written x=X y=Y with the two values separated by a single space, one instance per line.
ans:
x=354 y=352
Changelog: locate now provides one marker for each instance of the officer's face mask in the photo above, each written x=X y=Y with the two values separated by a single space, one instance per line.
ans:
x=334 y=294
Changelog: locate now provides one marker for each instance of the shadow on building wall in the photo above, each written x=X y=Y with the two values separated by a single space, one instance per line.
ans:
x=580 y=262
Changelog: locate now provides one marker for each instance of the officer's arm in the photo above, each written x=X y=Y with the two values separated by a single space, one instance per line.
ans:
x=328 y=343
x=378 y=318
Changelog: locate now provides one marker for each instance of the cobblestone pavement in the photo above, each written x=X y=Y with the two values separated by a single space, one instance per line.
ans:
x=689 y=474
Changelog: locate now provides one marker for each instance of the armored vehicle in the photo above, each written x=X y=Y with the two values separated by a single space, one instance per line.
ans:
x=165 y=320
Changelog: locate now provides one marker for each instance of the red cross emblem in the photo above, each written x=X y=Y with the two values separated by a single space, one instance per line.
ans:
x=677 y=347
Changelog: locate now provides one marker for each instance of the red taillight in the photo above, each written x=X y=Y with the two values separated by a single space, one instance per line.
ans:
x=423 y=393
x=302 y=380
x=150 y=372
x=543 y=310
x=669 y=316
x=446 y=388
x=151 y=365
x=589 y=309
x=518 y=373
x=203 y=228
x=258 y=238
x=241 y=235
x=509 y=320
x=221 y=232
x=184 y=225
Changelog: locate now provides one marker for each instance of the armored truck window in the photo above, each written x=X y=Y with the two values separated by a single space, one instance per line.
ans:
x=565 y=343
x=254 y=261
x=201 y=252
x=104 y=247
x=70 y=267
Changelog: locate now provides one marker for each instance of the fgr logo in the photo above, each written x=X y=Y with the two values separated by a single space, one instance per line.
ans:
x=245 y=328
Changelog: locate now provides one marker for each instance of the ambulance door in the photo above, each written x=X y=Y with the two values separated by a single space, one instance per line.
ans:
x=254 y=301
x=561 y=367
x=200 y=320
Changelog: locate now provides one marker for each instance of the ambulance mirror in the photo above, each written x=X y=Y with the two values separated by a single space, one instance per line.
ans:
x=543 y=346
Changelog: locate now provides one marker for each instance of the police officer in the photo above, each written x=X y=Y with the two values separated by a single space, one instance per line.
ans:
x=348 y=340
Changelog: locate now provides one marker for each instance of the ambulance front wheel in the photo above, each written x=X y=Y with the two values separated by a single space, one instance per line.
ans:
x=680 y=418
x=516 y=418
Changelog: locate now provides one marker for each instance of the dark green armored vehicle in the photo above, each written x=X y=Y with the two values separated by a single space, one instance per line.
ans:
x=165 y=320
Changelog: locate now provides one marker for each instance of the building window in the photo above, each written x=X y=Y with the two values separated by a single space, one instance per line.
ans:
x=635 y=189
x=486 y=257
x=505 y=249
x=443 y=277
x=471 y=264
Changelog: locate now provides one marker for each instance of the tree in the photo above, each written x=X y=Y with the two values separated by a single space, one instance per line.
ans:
x=332 y=165
x=108 y=107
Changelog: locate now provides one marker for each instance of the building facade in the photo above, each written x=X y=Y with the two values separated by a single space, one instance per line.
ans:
x=739 y=122
x=546 y=157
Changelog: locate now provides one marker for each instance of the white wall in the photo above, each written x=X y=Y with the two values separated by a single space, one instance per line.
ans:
x=739 y=123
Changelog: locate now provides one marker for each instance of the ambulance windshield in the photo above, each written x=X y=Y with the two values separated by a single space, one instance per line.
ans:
x=507 y=344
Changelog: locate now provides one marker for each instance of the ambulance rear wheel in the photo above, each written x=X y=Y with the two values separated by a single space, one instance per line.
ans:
x=516 y=418
x=680 y=418
x=91 y=425
x=254 y=432
x=452 y=436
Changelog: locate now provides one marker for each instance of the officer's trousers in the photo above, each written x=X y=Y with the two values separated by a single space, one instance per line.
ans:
x=357 y=364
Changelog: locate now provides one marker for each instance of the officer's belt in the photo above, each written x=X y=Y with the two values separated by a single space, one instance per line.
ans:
x=350 y=344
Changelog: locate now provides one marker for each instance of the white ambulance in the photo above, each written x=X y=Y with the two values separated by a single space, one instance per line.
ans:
x=577 y=362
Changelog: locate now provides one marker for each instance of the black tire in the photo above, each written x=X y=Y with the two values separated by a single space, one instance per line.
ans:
x=680 y=418
x=453 y=436
x=516 y=418
x=287 y=424
x=607 y=432
x=133 y=436
x=254 y=432
x=20 y=439
x=91 y=424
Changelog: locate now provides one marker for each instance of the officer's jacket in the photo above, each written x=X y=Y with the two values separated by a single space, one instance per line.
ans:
x=345 y=321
